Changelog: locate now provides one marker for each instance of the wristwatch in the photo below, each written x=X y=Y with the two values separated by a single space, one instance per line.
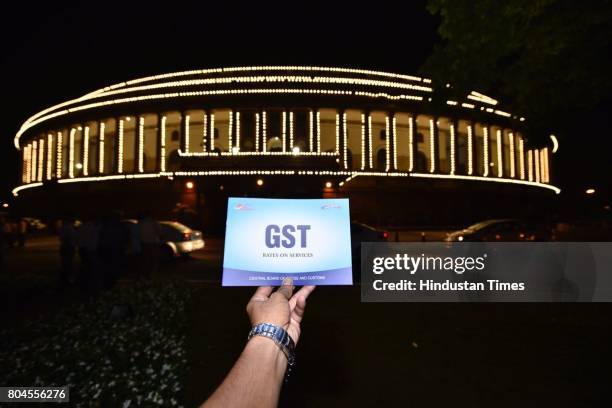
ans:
x=280 y=337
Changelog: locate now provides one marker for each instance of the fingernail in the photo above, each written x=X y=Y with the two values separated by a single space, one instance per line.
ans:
x=287 y=282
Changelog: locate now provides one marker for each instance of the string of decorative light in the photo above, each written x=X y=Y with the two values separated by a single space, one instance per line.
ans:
x=257 y=79
x=485 y=151
x=344 y=140
x=536 y=157
x=185 y=141
x=49 y=156
x=162 y=142
x=237 y=130
x=370 y=160
x=264 y=130
x=476 y=96
x=188 y=94
x=291 y=131
x=470 y=131
x=204 y=129
x=102 y=129
x=223 y=70
x=284 y=130
x=318 y=131
x=363 y=142
x=212 y=133
x=500 y=167
x=41 y=159
x=488 y=179
x=247 y=153
x=452 y=148
x=546 y=165
x=287 y=172
x=257 y=130
x=522 y=158
x=394 y=135
x=387 y=144
x=141 y=121
x=310 y=130
x=59 y=164
x=411 y=143
x=26 y=164
x=86 y=150
x=264 y=68
x=337 y=132
x=33 y=161
x=432 y=147
x=120 y=148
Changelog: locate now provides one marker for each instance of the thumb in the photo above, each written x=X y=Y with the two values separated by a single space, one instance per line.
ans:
x=286 y=288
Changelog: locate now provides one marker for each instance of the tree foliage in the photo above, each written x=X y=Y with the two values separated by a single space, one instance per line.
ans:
x=548 y=58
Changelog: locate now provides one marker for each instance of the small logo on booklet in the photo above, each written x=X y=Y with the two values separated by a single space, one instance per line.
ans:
x=243 y=207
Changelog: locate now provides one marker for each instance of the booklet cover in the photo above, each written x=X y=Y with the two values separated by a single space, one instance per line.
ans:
x=267 y=240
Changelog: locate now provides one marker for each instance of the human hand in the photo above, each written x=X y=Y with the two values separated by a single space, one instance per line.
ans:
x=281 y=308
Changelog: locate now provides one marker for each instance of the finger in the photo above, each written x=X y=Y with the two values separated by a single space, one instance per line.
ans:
x=304 y=291
x=262 y=293
x=286 y=288
x=299 y=309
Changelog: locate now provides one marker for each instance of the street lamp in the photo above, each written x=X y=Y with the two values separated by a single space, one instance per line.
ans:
x=189 y=185
x=590 y=191
x=259 y=182
x=328 y=184
x=5 y=205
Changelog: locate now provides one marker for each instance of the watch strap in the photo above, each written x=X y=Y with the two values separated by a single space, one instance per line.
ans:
x=280 y=336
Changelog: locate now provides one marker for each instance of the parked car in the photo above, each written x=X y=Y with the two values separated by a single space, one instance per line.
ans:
x=179 y=239
x=34 y=224
x=176 y=239
x=503 y=230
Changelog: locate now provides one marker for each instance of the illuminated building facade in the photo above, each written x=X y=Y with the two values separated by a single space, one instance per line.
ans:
x=274 y=130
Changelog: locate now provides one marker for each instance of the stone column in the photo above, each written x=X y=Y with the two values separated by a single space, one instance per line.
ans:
x=184 y=147
x=392 y=136
x=161 y=142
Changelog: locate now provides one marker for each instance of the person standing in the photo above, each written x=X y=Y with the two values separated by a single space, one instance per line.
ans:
x=87 y=241
x=149 y=233
x=9 y=232
x=67 y=237
x=22 y=230
x=113 y=240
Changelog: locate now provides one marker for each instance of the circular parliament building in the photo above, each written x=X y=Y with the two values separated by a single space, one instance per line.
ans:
x=405 y=151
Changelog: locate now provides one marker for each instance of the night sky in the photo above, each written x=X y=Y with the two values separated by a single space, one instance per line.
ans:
x=53 y=52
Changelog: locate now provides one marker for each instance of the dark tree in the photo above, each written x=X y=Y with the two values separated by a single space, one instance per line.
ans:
x=548 y=58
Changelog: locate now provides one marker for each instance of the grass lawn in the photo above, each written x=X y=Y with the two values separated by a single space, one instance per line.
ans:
x=135 y=357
